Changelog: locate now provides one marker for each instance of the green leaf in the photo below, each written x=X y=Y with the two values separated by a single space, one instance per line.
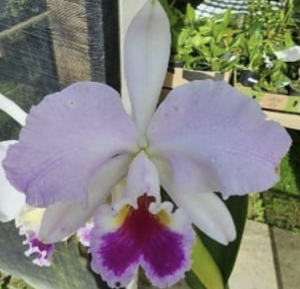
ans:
x=205 y=40
x=204 y=268
x=69 y=269
x=205 y=30
x=182 y=37
x=225 y=256
x=193 y=281
x=239 y=41
x=196 y=40
x=221 y=28
x=255 y=34
x=190 y=13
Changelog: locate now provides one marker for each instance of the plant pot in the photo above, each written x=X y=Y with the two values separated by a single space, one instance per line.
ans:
x=293 y=91
x=204 y=67
x=179 y=76
x=248 y=78
x=176 y=64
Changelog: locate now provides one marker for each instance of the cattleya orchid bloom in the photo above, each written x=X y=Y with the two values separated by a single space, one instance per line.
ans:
x=13 y=203
x=29 y=223
x=8 y=194
x=205 y=137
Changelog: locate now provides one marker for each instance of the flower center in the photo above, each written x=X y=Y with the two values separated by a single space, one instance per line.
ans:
x=140 y=222
x=147 y=235
x=143 y=143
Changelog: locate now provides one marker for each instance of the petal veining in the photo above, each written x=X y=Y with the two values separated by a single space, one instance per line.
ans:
x=11 y=200
x=138 y=237
x=147 y=49
x=66 y=139
x=63 y=219
x=222 y=136
x=205 y=210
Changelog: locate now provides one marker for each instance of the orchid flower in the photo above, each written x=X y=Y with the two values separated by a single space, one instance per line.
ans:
x=29 y=223
x=13 y=203
x=8 y=194
x=205 y=137
x=84 y=234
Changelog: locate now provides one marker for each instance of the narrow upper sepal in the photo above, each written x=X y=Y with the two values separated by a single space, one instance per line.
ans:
x=147 y=50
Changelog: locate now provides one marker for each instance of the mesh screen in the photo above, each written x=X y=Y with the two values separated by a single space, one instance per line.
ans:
x=46 y=45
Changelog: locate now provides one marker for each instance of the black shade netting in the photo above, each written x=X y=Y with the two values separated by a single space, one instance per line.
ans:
x=45 y=45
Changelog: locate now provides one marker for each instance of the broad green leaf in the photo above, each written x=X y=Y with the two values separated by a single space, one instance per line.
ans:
x=218 y=51
x=196 y=40
x=205 y=40
x=215 y=64
x=221 y=28
x=239 y=41
x=205 y=268
x=204 y=30
x=183 y=35
x=230 y=65
x=190 y=13
x=193 y=281
x=69 y=269
x=255 y=34
x=225 y=256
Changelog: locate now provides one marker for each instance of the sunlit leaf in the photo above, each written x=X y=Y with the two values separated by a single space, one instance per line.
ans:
x=204 y=269
x=225 y=256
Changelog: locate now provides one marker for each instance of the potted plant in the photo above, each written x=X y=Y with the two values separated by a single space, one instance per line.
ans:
x=265 y=32
x=205 y=43
x=251 y=55
x=204 y=48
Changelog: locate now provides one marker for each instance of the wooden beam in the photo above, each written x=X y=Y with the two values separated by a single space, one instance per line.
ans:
x=85 y=40
x=287 y=120
x=21 y=26
x=103 y=26
x=69 y=30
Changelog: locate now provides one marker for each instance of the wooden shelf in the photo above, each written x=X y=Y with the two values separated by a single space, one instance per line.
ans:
x=287 y=120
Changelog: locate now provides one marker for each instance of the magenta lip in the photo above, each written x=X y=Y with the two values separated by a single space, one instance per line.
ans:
x=142 y=239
